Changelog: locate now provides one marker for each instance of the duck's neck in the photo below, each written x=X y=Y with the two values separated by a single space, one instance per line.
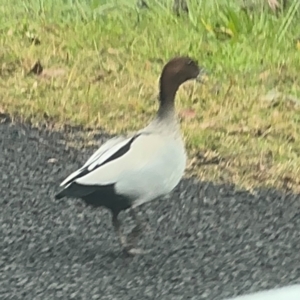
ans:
x=167 y=95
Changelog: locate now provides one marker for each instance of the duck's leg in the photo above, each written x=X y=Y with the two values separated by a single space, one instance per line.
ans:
x=117 y=227
x=137 y=230
x=127 y=247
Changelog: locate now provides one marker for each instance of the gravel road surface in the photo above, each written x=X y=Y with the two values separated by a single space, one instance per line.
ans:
x=208 y=241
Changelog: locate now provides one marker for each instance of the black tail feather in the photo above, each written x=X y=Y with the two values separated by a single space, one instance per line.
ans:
x=75 y=190
x=60 y=195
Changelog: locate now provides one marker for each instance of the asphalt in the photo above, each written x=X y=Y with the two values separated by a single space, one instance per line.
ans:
x=207 y=241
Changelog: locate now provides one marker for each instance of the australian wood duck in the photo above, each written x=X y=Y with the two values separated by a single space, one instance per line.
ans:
x=126 y=172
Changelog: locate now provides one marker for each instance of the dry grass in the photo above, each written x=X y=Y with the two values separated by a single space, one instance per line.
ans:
x=101 y=64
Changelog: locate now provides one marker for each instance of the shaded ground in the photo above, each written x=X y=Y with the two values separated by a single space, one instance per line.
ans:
x=208 y=241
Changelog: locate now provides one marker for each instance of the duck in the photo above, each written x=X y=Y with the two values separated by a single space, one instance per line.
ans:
x=130 y=170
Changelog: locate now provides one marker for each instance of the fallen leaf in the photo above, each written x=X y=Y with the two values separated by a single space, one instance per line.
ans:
x=209 y=124
x=264 y=75
x=38 y=69
x=112 y=51
x=274 y=5
x=271 y=96
x=294 y=101
x=274 y=95
x=187 y=113
x=52 y=72
x=35 y=84
x=147 y=65
x=275 y=114
x=10 y=32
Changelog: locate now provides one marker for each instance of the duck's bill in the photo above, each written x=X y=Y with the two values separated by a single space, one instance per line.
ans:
x=202 y=76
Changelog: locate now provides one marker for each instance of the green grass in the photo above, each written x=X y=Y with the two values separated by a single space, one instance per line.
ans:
x=102 y=60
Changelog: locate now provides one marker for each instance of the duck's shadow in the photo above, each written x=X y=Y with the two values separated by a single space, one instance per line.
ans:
x=194 y=216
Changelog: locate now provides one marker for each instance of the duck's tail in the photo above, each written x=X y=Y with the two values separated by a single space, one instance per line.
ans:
x=60 y=195
x=75 y=190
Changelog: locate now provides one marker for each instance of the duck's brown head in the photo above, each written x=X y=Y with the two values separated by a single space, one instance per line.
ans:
x=176 y=72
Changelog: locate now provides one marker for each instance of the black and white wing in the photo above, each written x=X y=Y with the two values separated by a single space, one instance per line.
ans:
x=109 y=151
